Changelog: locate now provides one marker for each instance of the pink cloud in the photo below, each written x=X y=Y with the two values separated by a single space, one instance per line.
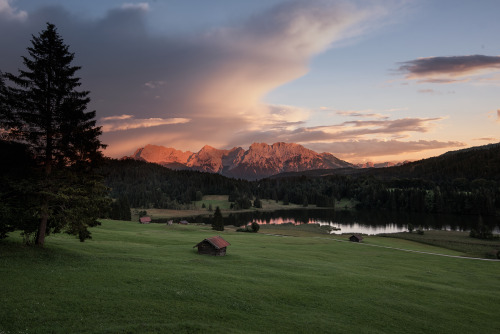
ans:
x=357 y=150
x=128 y=122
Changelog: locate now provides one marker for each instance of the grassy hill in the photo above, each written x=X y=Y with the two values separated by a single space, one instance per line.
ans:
x=135 y=278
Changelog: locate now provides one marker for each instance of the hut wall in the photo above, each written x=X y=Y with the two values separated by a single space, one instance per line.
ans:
x=207 y=248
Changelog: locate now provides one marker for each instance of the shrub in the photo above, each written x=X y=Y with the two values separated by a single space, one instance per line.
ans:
x=410 y=227
x=253 y=228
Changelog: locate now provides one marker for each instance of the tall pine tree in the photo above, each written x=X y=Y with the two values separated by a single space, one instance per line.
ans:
x=218 y=221
x=45 y=111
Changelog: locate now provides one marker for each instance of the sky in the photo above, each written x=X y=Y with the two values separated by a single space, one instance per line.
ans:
x=364 y=80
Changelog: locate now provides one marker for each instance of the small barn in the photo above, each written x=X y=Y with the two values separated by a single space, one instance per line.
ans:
x=355 y=238
x=145 y=220
x=213 y=246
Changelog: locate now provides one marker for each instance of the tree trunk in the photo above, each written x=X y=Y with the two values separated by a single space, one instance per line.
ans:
x=42 y=228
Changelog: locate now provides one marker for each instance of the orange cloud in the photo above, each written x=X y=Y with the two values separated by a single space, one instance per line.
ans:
x=128 y=122
x=357 y=150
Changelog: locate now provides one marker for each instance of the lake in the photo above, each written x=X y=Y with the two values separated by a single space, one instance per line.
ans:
x=363 y=221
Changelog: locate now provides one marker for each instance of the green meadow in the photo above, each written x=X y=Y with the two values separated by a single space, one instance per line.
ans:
x=133 y=278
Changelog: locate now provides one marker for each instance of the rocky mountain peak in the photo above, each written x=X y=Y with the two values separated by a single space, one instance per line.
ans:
x=161 y=154
x=259 y=161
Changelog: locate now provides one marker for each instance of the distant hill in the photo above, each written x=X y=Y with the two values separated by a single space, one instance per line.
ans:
x=479 y=162
x=259 y=161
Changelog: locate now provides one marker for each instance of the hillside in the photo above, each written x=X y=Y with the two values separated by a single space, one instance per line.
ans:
x=481 y=162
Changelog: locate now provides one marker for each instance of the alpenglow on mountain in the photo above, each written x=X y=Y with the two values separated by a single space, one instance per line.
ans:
x=259 y=161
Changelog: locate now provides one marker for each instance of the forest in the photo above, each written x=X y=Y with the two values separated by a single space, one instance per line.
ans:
x=463 y=182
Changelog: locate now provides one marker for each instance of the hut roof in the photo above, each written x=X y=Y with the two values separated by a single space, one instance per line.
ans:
x=217 y=242
x=357 y=236
x=145 y=219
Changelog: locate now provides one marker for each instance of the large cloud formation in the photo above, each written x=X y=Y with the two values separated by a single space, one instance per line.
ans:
x=193 y=89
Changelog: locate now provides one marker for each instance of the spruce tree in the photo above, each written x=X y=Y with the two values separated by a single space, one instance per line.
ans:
x=47 y=112
x=218 y=222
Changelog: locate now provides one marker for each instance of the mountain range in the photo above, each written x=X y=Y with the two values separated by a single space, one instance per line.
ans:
x=259 y=161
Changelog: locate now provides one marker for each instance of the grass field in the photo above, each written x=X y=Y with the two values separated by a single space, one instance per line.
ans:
x=133 y=278
x=459 y=241
x=220 y=201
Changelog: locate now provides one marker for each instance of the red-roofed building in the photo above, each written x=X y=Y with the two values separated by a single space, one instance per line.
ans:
x=213 y=246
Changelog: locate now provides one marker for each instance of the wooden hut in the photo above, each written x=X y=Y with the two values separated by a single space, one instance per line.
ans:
x=355 y=238
x=213 y=246
x=145 y=220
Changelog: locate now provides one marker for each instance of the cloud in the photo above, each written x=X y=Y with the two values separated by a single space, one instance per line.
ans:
x=360 y=149
x=452 y=69
x=488 y=139
x=494 y=115
x=154 y=84
x=206 y=87
x=120 y=117
x=346 y=131
x=361 y=113
x=8 y=12
x=128 y=122
x=396 y=126
x=143 y=6
x=434 y=92
x=426 y=91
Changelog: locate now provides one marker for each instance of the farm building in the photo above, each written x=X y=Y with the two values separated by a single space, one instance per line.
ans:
x=145 y=220
x=213 y=246
x=355 y=238
x=183 y=222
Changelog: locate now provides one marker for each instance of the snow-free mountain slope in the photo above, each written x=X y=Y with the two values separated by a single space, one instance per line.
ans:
x=259 y=161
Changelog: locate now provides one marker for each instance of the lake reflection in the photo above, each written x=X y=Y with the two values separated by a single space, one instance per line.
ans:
x=366 y=222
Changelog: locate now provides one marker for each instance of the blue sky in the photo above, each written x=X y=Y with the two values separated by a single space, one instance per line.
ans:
x=364 y=80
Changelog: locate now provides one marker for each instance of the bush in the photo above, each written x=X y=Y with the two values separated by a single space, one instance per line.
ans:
x=410 y=227
x=252 y=228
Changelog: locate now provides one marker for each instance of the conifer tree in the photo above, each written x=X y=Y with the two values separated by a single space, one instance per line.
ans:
x=47 y=112
x=218 y=222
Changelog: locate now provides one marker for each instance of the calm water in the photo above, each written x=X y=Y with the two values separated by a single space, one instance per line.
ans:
x=366 y=222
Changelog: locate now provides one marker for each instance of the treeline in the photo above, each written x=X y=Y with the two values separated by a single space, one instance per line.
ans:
x=148 y=185
x=459 y=196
